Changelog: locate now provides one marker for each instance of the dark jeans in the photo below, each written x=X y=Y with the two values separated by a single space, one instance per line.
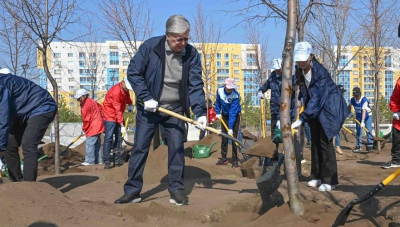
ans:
x=146 y=123
x=224 y=143
x=27 y=134
x=395 y=144
x=112 y=129
x=323 y=157
x=307 y=130
x=274 y=120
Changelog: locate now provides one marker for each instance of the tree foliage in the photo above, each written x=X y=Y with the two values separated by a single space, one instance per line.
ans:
x=65 y=114
x=385 y=115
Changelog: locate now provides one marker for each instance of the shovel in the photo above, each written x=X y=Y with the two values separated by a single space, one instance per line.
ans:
x=63 y=153
x=344 y=214
x=368 y=132
x=352 y=133
x=242 y=148
x=119 y=145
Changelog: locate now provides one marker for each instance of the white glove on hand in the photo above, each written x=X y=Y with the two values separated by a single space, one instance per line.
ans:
x=130 y=108
x=296 y=124
x=150 y=105
x=1 y=165
x=278 y=124
x=203 y=121
x=230 y=132
x=219 y=116
x=82 y=133
x=260 y=95
x=396 y=116
x=362 y=124
x=123 y=130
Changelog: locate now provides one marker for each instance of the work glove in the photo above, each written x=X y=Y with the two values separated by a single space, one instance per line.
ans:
x=278 y=124
x=82 y=133
x=203 y=121
x=230 y=132
x=1 y=164
x=219 y=116
x=130 y=108
x=296 y=124
x=396 y=116
x=123 y=130
x=260 y=95
x=150 y=105
x=362 y=124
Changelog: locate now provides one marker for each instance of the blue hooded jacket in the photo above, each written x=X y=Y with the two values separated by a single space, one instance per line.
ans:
x=228 y=104
x=274 y=83
x=21 y=99
x=146 y=75
x=322 y=99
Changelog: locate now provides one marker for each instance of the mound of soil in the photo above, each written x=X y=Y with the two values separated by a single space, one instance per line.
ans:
x=264 y=147
x=69 y=162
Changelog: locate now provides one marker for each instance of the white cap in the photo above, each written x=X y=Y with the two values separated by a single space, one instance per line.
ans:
x=230 y=83
x=276 y=63
x=302 y=51
x=5 y=71
x=128 y=85
x=79 y=93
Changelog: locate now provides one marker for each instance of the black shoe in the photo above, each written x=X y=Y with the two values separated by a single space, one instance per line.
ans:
x=119 y=162
x=128 y=199
x=308 y=144
x=370 y=149
x=391 y=164
x=235 y=164
x=222 y=161
x=178 y=198
x=107 y=166
x=357 y=149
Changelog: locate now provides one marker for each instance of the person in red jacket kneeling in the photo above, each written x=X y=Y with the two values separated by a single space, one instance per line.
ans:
x=92 y=127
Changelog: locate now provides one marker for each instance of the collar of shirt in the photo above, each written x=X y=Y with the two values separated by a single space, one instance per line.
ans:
x=169 y=50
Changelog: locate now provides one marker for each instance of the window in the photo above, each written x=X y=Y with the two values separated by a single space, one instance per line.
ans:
x=70 y=63
x=227 y=64
x=82 y=64
x=70 y=79
x=70 y=71
x=114 y=59
x=355 y=80
x=236 y=64
x=355 y=58
x=125 y=71
x=208 y=55
x=208 y=72
x=71 y=88
x=58 y=80
x=59 y=96
x=57 y=63
x=59 y=88
x=355 y=72
x=226 y=56
x=57 y=71
x=70 y=55
x=57 y=55
x=125 y=54
x=223 y=71
x=355 y=65
x=365 y=65
x=82 y=55
x=218 y=64
x=71 y=96
x=365 y=58
x=104 y=55
x=235 y=56
x=92 y=55
x=236 y=71
x=103 y=63
x=218 y=55
x=125 y=63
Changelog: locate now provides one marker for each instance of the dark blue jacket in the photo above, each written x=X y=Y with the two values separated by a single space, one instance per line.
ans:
x=228 y=104
x=146 y=75
x=20 y=99
x=274 y=83
x=323 y=100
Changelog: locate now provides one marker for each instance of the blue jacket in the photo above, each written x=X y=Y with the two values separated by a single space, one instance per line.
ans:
x=20 y=99
x=323 y=100
x=274 y=83
x=358 y=108
x=228 y=104
x=146 y=75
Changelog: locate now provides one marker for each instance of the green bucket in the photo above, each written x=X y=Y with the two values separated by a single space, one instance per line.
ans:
x=202 y=151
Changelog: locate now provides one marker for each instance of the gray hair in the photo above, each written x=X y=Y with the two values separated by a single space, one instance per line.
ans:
x=177 y=24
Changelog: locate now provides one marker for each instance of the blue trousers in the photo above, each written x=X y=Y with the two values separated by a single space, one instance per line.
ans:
x=307 y=131
x=146 y=123
x=368 y=125
x=337 y=140
x=93 y=145
x=111 y=129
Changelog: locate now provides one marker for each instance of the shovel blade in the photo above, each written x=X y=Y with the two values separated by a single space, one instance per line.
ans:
x=269 y=182
x=343 y=215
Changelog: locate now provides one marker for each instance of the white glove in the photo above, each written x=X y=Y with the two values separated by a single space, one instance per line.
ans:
x=150 y=105
x=130 y=108
x=1 y=165
x=219 y=116
x=278 y=124
x=362 y=124
x=230 y=132
x=82 y=133
x=396 y=116
x=123 y=130
x=260 y=95
x=203 y=123
x=296 y=124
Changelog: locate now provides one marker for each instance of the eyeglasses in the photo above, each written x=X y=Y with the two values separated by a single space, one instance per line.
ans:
x=179 y=40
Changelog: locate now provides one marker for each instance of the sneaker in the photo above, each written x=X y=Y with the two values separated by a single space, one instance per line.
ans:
x=391 y=164
x=222 y=161
x=128 y=199
x=370 y=149
x=303 y=161
x=119 y=162
x=178 y=198
x=86 y=164
x=314 y=183
x=326 y=187
x=339 y=150
x=107 y=166
x=235 y=164
x=357 y=149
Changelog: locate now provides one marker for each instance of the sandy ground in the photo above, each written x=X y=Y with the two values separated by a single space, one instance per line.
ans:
x=218 y=196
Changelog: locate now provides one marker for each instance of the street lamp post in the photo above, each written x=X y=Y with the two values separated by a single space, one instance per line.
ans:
x=24 y=67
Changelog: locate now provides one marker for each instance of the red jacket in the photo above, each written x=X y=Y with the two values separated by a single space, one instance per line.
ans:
x=394 y=104
x=92 y=118
x=115 y=103
x=212 y=115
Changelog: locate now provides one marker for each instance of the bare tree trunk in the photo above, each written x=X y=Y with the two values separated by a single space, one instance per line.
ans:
x=290 y=158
